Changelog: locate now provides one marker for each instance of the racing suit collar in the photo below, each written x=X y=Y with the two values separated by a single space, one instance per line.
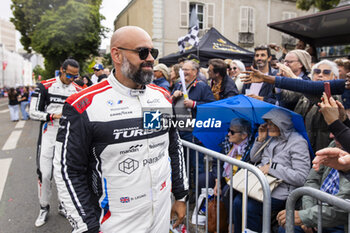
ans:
x=123 y=89
x=58 y=79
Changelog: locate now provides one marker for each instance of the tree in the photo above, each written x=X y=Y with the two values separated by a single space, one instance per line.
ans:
x=319 y=4
x=38 y=71
x=27 y=14
x=71 y=29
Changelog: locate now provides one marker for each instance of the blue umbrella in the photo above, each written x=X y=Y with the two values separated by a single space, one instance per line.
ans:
x=239 y=106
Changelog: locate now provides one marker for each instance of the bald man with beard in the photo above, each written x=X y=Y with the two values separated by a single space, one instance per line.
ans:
x=113 y=173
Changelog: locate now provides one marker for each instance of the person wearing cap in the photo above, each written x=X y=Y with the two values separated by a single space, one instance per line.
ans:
x=200 y=75
x=98 y=71
x=161 y=76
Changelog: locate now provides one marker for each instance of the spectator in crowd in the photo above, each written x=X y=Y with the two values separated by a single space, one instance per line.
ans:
x=261 y=91
x=307 y=106
x=161 y=76
x=235 y=72
x=338 y=123
x=31 y=91
x=198 y=93
x=106 y=71
x=274 y=62
x=181 y=61
x=240 y=135
x=98 y=70
x=297 y=65
x=285 y=156
x=46 y=106
x=200 y=75
x=13 y=104
x=222 y=85
x=93 y=169
x=344 y=68
x=23 y=100
x=102 y=77
x=174 y=76
x=300 y=45
x=87 y=81
x=329 y=180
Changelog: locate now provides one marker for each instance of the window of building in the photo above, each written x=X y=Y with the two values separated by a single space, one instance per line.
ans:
x=247 y=19
x=199 y=9
x=204 y=11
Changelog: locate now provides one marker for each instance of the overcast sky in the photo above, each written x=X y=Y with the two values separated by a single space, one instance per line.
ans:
x=110 y=9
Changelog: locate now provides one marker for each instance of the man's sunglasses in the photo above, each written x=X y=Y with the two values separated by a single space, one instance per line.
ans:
x=232 y=132
x=325 y=72
x=143 y=52
x=71 y=75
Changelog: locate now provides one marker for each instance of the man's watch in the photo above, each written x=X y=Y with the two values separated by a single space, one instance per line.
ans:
x=184 y=199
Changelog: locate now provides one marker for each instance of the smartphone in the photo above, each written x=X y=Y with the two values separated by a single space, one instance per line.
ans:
x=327 y=89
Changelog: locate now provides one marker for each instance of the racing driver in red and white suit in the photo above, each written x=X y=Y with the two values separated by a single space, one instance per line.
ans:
x=46 y=105
x=112 y=173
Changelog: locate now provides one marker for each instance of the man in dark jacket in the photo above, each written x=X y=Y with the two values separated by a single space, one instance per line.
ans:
x=222 y=85
x=263 y=92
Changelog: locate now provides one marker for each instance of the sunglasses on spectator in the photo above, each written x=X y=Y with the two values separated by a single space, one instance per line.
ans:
x=71 y=75
x=325 y=72
x=143 y=52
x=232 y=131
x=232 y=68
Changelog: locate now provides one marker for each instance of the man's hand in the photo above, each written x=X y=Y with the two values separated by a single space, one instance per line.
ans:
x=255 y=76
x=306 y=229
x=262 y=132
x=329 y=109
x=256 y=97
x=178 y=209
x=56 y=116
x=286 y=71
x=332 y=157
x=188 y=103
x=177 y=94
x=281 y=218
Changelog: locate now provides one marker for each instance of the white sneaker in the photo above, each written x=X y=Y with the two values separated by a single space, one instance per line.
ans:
x=43 y=214
x=62 y=211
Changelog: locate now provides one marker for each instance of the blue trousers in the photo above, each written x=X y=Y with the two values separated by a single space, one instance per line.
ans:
x=25 y=115
x=255 y=211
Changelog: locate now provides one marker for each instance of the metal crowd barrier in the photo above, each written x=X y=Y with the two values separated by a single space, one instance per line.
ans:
x=221 y=157
x=319 y=195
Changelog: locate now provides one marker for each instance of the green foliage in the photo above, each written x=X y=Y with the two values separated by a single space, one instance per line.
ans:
x=107 y=60
x=39 y=71
x=27 y=14
x=59 y=29
x=319 y=4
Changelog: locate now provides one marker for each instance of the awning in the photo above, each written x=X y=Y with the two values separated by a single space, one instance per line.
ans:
x=331 y=27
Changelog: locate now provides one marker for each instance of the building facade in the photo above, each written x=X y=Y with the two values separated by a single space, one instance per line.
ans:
x=8 y=35
x=241 y=21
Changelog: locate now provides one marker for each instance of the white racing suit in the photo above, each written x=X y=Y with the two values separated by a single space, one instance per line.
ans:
x=112 y=174
x=48 y=98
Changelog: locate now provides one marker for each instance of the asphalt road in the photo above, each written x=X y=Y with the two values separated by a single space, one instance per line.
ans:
x=19 y=204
